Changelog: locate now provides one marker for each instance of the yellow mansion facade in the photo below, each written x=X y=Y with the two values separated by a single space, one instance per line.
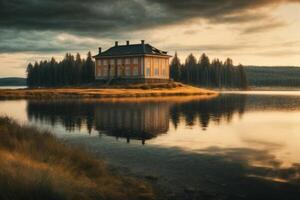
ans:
x=140 y=62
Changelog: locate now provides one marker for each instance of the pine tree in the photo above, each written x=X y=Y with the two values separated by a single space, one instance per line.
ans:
x=30 y=77
x=175 y=66
x=78 y=69
x=190 y=64
x=90 y=67
x=243 y=77
x=204 y=70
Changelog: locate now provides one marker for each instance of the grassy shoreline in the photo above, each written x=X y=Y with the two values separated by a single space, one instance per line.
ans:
x=98 y=93
x=35 y=165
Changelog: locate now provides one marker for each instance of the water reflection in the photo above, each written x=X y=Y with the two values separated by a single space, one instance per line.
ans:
x=141 y=121
x=132 y=120
x=243 y=146
x=205 y=111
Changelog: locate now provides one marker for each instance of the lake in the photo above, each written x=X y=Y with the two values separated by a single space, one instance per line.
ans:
x=240 y=145
x=13 y=87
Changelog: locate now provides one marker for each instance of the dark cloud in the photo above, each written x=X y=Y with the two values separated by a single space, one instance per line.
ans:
x=102 y=16
x=112 y=18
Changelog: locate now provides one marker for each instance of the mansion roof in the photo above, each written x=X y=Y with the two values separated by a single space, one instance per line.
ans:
x=131 y=49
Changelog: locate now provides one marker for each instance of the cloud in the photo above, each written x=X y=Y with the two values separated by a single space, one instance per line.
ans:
x=210 y=47
x=33 y=25
x=264 y=27
x=42 y=41
x=191 y=32
x=103 y=17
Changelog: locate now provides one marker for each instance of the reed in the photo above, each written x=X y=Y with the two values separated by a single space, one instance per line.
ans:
x=36 y=165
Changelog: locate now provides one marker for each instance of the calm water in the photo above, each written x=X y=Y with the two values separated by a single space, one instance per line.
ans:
x=13 y=87
x=235 y=146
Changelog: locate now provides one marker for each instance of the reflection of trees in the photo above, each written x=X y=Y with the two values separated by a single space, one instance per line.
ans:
x=140 y=121
x=71 y=114
x=145 y=120
x=215 y=110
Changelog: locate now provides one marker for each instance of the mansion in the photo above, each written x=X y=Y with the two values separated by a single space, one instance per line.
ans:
x=132 y=62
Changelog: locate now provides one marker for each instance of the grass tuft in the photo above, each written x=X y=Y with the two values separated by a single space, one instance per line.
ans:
x=36 y=165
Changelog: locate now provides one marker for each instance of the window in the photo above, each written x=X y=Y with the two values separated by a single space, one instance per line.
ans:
x=135 y=61
x=112 y=70
x=127 y=71
x=147 y=62
x=104 y=62
x=120 y=71
x=99 y=70
x=135 y=71
x=164 y=72
x=148 y=71
x=127 y=61
x=104 y=71
x=119 y=61
x=156 y=71
x=112 y=61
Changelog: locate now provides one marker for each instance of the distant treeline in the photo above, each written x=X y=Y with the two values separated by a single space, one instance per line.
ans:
x=205 y=73
x=259 y=76
x=12 y=81
x=70 y=71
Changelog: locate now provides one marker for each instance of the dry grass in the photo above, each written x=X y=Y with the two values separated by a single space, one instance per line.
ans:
x=35 y=165
x=86 y=93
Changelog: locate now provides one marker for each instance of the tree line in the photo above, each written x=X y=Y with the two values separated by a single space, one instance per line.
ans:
x=276 y=76
x=210 y=74
x=72 y=70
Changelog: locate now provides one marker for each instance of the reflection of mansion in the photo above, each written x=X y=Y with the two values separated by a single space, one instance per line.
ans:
x=133 y=121
x=140 y=62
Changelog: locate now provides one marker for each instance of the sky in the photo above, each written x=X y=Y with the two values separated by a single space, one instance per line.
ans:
x=251 y=32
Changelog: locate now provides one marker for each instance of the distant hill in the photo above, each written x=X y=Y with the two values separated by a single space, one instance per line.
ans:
x=12 y=81
x=260 y=76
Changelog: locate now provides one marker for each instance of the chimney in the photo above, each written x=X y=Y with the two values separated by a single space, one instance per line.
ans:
x=143 y=41
x=127 y=42
x=116 y=43
x=99 y=50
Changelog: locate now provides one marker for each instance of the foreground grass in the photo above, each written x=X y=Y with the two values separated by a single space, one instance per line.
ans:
x=35 y=165
x=71 y=93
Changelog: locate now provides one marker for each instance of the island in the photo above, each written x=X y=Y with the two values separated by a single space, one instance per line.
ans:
x=130 y=91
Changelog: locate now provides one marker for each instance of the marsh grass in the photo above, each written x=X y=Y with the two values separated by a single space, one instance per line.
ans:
x=134 y=91
x=35 y=165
